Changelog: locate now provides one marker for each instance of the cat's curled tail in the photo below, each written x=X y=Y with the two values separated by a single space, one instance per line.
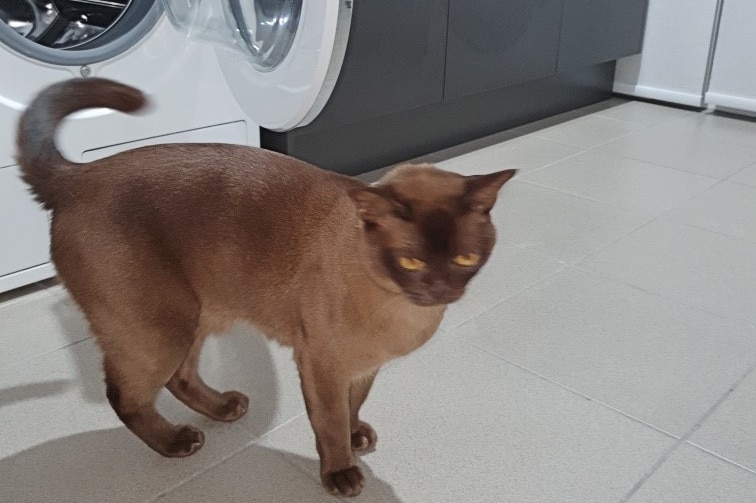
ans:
x=37 y=153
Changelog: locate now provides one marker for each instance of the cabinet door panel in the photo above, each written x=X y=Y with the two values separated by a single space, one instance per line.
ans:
x=394 y=61
x=23 y=225
x=493 y=44
x=596 y=31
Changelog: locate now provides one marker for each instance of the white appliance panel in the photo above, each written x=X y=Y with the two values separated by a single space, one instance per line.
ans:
x=234 y=132
x=23 y=225
x=733 y=75
x=676 y=45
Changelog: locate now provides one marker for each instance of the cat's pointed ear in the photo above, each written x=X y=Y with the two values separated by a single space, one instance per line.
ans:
x=373 y=204
x=481 y=190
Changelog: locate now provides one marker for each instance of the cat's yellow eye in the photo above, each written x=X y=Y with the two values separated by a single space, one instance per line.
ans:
x=467 y=260
x=411 y=264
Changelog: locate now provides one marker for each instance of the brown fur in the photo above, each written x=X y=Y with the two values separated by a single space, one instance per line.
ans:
x=164 y=244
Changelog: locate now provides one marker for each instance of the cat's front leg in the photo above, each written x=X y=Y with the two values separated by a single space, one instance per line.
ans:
x=326 y=395
x=363 y=435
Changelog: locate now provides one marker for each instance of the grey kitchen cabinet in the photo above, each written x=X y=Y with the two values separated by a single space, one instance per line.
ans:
x=595 y=31
x=497 y=43
x=394 y=60
x=423 y=75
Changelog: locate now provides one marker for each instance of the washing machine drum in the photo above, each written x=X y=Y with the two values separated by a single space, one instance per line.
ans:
x=75 y=32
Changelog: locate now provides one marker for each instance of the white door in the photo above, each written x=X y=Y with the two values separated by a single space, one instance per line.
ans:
x=280 y=58
x=733 y=75
x=676 y=45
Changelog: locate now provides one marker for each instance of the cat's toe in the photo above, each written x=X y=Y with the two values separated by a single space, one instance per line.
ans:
x=235 y=407
x=364 y=438
x=347 y=482
x=186 y=442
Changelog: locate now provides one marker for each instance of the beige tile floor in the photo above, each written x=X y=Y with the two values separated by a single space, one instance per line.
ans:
x=607 y=353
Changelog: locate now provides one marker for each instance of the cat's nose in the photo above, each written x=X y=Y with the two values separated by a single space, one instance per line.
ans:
x=438 y=288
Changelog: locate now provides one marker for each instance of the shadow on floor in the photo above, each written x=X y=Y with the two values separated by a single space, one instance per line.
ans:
x=110 y=466
x=33 y=391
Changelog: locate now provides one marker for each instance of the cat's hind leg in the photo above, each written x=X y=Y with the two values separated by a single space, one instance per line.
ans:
x=188 y=386
x=138 y=362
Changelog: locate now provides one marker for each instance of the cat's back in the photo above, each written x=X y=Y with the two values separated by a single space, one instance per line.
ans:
x=183 y=184
x=189 y=169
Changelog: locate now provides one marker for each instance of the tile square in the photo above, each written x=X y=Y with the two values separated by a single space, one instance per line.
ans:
x=710 y=126
x=728 y=208
x=746 y=175
x=729 y=432
x=524 y=153
x=692 y=476
x=557 y=224
x=507 y=271
x=261 y=474
x=622 y=182
x=457 y=424
x=61 y=438
x=656 y=360
x=674 y=148
x=711 y=271
x=644 y=114
x=589 y=131
x=38 y=323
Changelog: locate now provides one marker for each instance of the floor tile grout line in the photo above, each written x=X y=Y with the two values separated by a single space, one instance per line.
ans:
x=588 y=198
x=712 y=231
x=576 y=392
x=597 y=148
x=30 y=359
x=643 y=127
x=664 y=213
x=613 y=241
x=721 y=457
x=450 y=330
x=637 y=229
x=253 y=440
x=684 y=439
x=583 y=149
x=524 y=170
x=207 y=468
x=650 y=472
x=285 y=423
x=661 y=217
x=744 y=184
x=678 y=302
x=679 y=113
x=580 y=263
x=627 y=156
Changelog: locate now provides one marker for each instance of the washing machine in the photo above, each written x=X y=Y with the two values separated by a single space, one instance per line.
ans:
x=215 y=71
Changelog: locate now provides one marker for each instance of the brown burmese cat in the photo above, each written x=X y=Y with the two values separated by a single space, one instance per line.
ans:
x=164 y=244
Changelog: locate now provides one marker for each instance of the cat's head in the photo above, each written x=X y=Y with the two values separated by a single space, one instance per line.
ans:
x=429 y=230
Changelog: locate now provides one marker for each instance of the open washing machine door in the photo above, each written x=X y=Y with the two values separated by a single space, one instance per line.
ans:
x=280 y=58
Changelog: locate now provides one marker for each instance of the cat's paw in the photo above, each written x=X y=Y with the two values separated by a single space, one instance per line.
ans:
x=235 y=407
x=347 y=482
x=364 y=439
x=185 y=442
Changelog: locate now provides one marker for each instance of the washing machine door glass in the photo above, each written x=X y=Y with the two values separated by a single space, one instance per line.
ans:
x=294 y=52
x=265 y=29
x=70 y=32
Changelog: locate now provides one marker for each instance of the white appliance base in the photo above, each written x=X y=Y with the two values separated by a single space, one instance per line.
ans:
x=731 y=102
x=656 y=93
x=26 y=277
